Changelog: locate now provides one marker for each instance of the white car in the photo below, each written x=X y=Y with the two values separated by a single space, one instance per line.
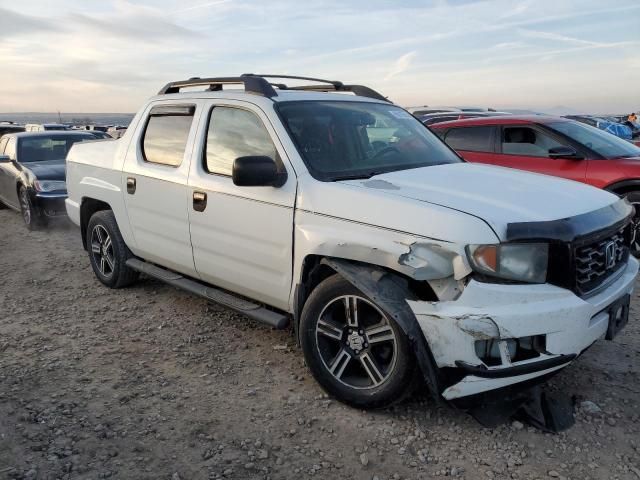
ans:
x=342 y=216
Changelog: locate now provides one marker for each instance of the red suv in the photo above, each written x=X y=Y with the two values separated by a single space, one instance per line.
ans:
x=553 y=146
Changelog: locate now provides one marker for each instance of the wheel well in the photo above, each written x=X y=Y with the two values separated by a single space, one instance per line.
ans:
x=624 y=187
x=314 y=272
x=87 y=209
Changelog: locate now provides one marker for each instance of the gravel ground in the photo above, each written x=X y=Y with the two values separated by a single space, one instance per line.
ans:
x=153 y=383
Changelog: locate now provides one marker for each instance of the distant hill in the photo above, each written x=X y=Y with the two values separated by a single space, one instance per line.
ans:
x=71 y=118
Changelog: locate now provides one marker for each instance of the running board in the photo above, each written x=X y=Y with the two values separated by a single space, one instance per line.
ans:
x=246 y=307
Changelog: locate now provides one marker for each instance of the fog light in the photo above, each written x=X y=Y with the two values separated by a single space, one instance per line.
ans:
x=516 y=349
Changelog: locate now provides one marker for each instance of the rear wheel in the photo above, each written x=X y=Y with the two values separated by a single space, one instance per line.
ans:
x=634 y=199
x=354 y=350
x=33 y=219
x=107 y=251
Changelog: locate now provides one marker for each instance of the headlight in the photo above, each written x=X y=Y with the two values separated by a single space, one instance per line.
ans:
x=49 y=185
x=524 y=262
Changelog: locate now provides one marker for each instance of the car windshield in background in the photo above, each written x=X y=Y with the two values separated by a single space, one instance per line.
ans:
x=343 y=140
x=601 y=142
x=43 y=148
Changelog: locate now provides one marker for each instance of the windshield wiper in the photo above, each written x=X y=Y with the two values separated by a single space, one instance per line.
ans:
x=355 y=176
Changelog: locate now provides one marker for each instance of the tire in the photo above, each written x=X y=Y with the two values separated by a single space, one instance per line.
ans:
x=371 y=367
x=634 y=199
x=33 y=219
x=108 y=253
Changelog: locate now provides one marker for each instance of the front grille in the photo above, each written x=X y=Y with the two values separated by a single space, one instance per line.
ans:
x=597 y=260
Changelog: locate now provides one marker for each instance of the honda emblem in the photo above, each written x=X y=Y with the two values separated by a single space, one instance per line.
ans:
x=610 y=255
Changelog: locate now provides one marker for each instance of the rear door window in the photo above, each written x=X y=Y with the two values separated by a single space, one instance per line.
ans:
x=165 y=137
x=472 y=139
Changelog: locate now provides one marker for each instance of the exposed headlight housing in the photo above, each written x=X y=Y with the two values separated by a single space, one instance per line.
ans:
x=522 y=262
x=49 y=185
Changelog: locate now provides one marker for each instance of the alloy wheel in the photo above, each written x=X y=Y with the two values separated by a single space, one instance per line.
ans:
x=356 y=342
x=102 y=250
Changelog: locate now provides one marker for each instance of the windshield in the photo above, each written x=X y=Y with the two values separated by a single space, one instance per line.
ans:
x=601 y=142
x=43 y=148
x=341 y=140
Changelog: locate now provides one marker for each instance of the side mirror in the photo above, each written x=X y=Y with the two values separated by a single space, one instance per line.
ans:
x=257 y=171
x=564 y=152
x=5 y=159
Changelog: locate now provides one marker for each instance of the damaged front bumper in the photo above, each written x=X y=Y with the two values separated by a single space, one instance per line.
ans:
x=552 y=323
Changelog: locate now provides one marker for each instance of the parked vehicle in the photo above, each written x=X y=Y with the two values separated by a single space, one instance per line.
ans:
x=32 y=173
x=117 y=131
x=433 y=118
x=10 y=127
x=426 y=110
x=344 y=216
x=99 y=134
x=45 y=127
x=609 y=125
x=553 y=146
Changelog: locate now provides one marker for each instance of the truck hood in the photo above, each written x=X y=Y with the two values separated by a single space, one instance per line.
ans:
x=497 y=195
x=47 y=170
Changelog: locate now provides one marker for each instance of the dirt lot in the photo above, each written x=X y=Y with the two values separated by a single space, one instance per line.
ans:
x=153 y=383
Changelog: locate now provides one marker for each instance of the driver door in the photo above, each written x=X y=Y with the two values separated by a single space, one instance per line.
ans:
x=242 y=237
x=526 y=147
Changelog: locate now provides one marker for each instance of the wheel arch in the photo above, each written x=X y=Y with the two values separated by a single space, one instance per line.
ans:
x=387 y=288
x=624 y=186
x=88 y=207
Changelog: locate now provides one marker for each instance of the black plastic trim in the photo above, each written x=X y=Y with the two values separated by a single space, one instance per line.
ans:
x=484 y=372
x=571 y=228
x=252 y=84
x=632 y=183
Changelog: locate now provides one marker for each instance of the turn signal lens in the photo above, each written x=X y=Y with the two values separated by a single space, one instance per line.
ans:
x=486 y=257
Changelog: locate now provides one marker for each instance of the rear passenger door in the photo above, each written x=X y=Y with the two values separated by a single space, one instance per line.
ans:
x=242 y=236
x=526 y=147
x=154 y=183
x=474 y=144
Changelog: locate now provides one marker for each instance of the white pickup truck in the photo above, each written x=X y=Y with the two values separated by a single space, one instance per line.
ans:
x=327 y=208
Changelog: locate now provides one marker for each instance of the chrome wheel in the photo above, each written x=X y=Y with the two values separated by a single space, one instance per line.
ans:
x=356 y=342
x=102 y=250
x=25 y=206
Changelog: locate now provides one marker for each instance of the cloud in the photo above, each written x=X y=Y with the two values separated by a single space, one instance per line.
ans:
x=400 y=65
x=132 y=26
x=201 y=5
x=557 y=37
x=13 y=23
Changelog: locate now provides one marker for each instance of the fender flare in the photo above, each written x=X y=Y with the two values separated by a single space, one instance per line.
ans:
x=384 y=289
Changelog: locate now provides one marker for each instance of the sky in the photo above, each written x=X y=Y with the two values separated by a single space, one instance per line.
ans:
x=111 y=55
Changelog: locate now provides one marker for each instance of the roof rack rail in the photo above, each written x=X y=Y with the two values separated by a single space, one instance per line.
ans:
x=258 y=84
x=252 y=84
x=332 y=85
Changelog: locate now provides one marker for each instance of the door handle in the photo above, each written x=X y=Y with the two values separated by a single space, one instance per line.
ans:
x=131 y=185
x=199 y=201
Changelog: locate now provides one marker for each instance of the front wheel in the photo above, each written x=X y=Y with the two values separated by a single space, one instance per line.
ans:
x=33 y=219
x=107 y=251
x=354 y=350
x=634 y=199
